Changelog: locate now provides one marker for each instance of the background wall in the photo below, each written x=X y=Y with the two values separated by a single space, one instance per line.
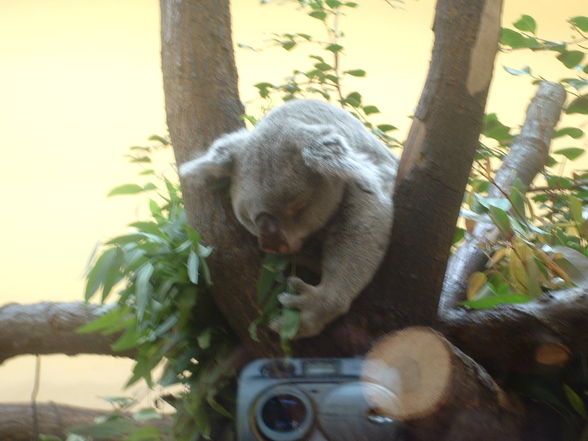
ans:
x=80 y=82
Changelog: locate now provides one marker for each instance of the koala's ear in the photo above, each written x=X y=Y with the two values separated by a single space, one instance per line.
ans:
x=330 y=155
x=217 y=162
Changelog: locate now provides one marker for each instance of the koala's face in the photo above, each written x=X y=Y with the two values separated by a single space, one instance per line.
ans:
x=279 y=198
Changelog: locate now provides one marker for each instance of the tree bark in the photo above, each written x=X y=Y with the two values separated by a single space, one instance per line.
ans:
x=17 y=421
x=438 y=391
x=202 y=102
x=531 y=337
x=528 y=155
x=434 y=169
x=50 y=328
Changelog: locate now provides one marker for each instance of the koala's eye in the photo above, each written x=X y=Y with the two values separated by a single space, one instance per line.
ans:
x=295 y=207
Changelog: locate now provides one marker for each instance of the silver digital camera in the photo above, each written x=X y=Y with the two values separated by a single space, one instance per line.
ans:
x=308 y=399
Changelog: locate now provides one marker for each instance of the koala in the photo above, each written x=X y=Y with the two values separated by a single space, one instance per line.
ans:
x=307 y=167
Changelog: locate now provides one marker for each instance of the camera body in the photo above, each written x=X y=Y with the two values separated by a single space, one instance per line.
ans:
x=308 y=399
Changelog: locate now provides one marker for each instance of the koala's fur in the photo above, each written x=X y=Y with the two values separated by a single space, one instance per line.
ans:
x=310 y=166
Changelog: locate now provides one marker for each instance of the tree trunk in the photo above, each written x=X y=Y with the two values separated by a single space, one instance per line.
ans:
x=202 y=102
x=434 y=169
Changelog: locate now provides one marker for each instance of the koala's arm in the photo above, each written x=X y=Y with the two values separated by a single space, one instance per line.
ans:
x=354 y=246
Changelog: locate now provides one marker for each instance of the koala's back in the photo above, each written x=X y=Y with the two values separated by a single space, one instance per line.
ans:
x=319 y=113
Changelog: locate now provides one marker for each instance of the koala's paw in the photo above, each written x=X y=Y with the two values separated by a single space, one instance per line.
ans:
x=315 y=306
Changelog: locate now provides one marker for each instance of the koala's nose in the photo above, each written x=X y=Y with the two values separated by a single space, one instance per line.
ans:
x=270 y=236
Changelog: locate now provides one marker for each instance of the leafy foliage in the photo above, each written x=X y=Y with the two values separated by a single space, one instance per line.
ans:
x=543 y=228
x=324 y=78
x=163 y=309
x=271 y=282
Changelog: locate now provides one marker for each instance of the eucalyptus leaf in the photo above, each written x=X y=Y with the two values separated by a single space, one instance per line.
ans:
x=193 y=265
x=571 y=153
x=355 y=72
x=571 y=59
x=579 y=105
x=143 y=288
x=526 y=23
x=580 y=22
x=573 y=132
x=493 y=301
x=575 y=401
x=126 y=189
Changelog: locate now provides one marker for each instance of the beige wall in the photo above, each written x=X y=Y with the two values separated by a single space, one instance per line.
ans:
x=80 y=82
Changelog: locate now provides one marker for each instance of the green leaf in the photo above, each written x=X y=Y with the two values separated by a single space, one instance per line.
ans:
x=459 y=235
x=511 y=38
x=193 y=264
x=494 y=129
x=386 y=127
x=334 y=4
x=500 y=219
x=575 y=401
x=204 y=338
x=573 y=132
x=143 y=288
x=145 y=433
x=571 y=59
x=580 y=22
x=353 y=99
x=492 y=301
x=105 y=270
x=289 y=44
x=559 y=182
x=129 y=339
x=160 y=139
x=526 y=24
x=355 y=72
x=105 y=321
x=576 y=209
x=323 y=66
x=579 y=105
x=518 y=201
x=571 y=152
x=290 y=324
x=319 y=15
x=334 y=47
x=368 y=110
x=500 y=203
x=524 y=71
x=125 y=190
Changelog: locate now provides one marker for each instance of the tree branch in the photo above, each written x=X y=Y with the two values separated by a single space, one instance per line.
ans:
x=50 y=328
x=53 y=419
x=434 y=168
x=528 y=154
x=532 y=337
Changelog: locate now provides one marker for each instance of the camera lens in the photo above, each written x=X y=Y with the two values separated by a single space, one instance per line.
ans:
x=284 y=413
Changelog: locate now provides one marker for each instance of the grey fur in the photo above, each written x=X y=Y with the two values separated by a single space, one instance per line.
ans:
x=324 y=159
